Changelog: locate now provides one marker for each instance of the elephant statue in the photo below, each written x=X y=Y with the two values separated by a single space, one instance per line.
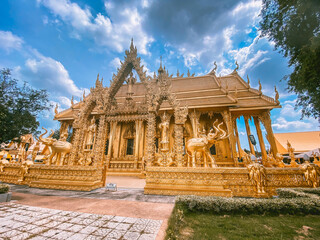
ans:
x=204 y=144
x=59 y=148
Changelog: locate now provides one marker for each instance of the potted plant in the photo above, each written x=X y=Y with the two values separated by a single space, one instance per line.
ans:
x=5 y=195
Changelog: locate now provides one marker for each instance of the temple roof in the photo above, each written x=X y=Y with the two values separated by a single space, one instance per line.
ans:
x=300 y=141
x=208 y=91
x=197 y=92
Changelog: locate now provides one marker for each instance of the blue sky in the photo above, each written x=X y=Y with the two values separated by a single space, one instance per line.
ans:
x=61 y=46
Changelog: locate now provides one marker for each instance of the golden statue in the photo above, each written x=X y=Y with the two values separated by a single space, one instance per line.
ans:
x=258 y=176
x=91 y=133
x=59 y=148
x=204 y=144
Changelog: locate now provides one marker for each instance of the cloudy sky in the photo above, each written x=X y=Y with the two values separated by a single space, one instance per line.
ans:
x=61 y=45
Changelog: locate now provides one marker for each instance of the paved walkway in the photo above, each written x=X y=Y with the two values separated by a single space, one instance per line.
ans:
x=56 y=214
x=24 y=222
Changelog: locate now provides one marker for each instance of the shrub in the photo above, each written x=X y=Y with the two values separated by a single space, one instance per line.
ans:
x=222 y=206
x=4 y=188
x=298 y=192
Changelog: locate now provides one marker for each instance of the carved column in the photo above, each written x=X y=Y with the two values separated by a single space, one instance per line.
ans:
x=266 y=121
x=100 y=142
x=194 y=118
x=151 y=134
x=261 y=141
x=138 y=126
x=113 y=126
x=180 y=116
x=178 y=133
x=246 y=119
x=227 y=119
x=234 y=120
x=79 y=132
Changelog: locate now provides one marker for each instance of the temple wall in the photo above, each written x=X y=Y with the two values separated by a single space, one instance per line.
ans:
x=225 y=182
x=81 y=178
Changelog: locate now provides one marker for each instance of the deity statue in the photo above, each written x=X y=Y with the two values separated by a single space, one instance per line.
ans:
x=164 y=127
x=91 y=133
x=290 y=149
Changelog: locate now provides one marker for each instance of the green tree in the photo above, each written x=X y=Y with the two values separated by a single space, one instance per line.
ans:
x=294 y=27
x=19 y=106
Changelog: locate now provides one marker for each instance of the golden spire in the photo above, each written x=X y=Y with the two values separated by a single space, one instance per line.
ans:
x=277 y=95
x=260 y=87
x=97 y=81
x=56 y=109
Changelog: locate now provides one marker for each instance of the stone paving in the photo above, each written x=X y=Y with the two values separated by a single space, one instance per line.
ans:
x=24 y=222
x=128 y=194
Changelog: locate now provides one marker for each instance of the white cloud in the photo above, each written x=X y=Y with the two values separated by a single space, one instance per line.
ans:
x=282 y=124
x=289 y=111
x=9 y=41
x=113 y=32
x=47 y=73
x=115 y=63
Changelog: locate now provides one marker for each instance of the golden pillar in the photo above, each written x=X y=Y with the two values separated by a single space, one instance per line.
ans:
x=266 y=121
x=151 y=134
x=246 y=121
x=100 y=140
x=194 y=118
x=261 y=141
x=138 y=126
x=178 y=133
x=180 y=117
x=234 y=120
x=227 y=119
x=113 y=127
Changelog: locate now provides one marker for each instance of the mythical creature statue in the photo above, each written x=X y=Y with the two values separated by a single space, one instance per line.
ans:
x=311 y=173
x=258 y=176
x=203 y=145
x=59 y=148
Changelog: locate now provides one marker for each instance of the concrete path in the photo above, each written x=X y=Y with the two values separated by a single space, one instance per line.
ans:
x=102 y=205
x=24 y=222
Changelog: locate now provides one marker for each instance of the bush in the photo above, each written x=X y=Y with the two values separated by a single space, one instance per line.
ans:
x=298 y=192
x=222 y=206
x=4 y=188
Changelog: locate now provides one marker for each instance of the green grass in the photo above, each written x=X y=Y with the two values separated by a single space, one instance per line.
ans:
x=185 y=224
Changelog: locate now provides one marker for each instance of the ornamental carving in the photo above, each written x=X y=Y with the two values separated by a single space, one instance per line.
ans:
x=258 y=176
x=311 y=174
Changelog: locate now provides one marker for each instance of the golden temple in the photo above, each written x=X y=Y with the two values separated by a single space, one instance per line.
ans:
x=180 y=133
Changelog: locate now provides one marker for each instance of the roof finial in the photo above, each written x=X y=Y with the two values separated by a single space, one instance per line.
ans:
x=277 y=95
x=160 y=70
x=260 y=87
x=248 y=80
x=56 y=109
x=178 y=73
x=72 y=101
x=131 y=45
x=213 y=71
x=188 y=73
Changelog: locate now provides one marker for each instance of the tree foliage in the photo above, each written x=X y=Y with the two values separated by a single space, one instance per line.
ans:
x=19 y=106
x=294 y=27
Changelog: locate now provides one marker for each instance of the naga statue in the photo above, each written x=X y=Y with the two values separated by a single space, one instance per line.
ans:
x=59 y=148
x=204 y=144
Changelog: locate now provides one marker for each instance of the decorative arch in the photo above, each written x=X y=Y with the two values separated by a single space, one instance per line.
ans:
x=132 y=61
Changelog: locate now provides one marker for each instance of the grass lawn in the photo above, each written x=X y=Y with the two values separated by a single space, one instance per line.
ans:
x=198 y=225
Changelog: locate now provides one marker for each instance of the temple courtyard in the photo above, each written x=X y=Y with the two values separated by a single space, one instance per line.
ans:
x=126 y=213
